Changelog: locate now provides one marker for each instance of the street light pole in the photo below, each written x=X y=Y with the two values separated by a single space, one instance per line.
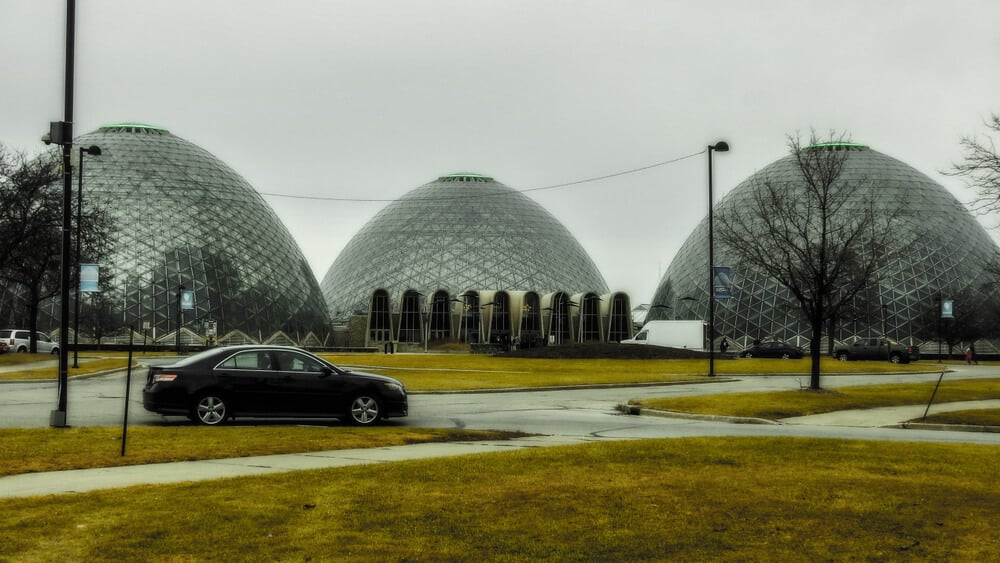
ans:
x=57 y=418
x=96 y=151
x=721 y=146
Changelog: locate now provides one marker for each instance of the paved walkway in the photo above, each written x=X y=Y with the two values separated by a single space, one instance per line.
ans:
x=84 y=480
x=886 y=416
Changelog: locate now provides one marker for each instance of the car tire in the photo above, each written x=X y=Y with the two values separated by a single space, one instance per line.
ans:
x=22 y=349
x=842 y=356
x=210 y=410
x=55 y=351
x=364 y=410
x=785 y=356
x=748 y=355
x=896 y=359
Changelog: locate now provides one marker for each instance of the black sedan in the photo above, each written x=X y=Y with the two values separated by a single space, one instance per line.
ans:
x=772 y=349
x=269 y=381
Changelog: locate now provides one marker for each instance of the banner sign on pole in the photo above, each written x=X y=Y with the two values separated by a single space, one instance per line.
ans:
x=947 y=309
x=90 y=275
x=723 y=282
x=187 y=300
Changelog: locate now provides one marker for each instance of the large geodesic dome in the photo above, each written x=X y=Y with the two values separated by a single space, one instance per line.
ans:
x=185 y=218
x=460 y=232
x=950 y=254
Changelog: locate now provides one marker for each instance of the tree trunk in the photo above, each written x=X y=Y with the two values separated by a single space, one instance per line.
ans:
x=815 y=353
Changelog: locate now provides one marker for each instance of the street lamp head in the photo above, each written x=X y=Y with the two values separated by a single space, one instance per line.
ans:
x=721 y=146
x=92 y=150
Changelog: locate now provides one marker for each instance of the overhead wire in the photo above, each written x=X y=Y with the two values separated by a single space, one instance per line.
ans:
x=538 y=189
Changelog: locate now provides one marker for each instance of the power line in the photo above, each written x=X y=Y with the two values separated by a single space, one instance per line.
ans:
x=551 y=187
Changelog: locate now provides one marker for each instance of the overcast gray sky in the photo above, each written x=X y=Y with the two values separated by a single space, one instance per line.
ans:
x=370 y=99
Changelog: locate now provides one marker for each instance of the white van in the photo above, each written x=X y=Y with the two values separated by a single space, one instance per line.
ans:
x=689 y=335
x=18 y=341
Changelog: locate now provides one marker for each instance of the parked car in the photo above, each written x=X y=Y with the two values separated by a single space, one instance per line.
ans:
x=269 y=381
x=772 y=349
x=874 y=348
x=18 y=340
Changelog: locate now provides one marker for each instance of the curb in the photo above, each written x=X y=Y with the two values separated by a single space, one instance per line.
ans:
x=946 y=427
x=635 y=410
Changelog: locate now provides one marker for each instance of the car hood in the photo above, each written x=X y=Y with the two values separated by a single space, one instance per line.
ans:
x=372 y=376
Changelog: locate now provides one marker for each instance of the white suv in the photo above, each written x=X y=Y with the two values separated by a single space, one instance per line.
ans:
x=18 y=341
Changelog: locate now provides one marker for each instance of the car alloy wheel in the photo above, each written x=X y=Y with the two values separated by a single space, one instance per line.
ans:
x=785 y=356
x=364 y=410
x=210 y=410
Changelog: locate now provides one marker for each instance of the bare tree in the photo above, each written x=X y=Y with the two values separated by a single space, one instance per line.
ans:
x=22 y=183
x=819 y=235
x=32 y=217
x=981 y=167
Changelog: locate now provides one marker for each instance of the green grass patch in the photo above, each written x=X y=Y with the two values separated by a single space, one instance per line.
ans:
x=696 y=499
x=784 y=404
x=45 y=449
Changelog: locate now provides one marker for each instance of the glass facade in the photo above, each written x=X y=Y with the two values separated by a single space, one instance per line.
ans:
x=458 y=233
x=945 y=249
x=184 y=218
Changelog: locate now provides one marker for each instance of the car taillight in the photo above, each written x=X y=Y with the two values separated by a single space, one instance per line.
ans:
x=164 y=377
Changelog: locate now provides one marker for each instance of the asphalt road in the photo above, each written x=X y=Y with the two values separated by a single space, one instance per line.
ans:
x=582 y=413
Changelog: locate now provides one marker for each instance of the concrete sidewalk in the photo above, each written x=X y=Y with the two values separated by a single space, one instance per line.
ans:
x=886 y=416
x=85 y=480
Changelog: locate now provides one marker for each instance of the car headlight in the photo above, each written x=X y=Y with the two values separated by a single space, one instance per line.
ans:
x=395 y=388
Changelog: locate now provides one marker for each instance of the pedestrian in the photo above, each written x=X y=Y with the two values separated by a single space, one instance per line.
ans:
x=968 y=355
x=724 y=345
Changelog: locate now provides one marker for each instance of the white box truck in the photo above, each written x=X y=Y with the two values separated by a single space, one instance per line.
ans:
x=689 y=335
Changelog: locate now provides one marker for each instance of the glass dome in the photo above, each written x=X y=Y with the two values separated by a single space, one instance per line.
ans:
x=952 y=251
x=185 y=218
x=460 y=232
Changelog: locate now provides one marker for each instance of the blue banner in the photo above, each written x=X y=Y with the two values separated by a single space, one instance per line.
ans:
x=947 y=309
x=90 y=276
x=187 y=300
x=722 y=282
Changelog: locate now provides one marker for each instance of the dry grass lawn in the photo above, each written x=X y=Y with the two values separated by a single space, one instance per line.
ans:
x=439 y=372
x=709 y=499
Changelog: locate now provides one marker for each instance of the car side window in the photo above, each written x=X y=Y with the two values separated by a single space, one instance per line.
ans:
x=291 y=361
x=248 y=360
